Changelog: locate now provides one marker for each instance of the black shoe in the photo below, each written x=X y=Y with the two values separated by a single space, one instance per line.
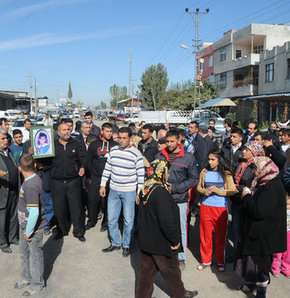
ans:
x=58 y=235
x=82 y=238
x=6 y=249
x=125 y=252
x=88 y=226
x=182 y=265
x=16 y=242
x=189 y=294
x=103 y=229
x=111 y=248
x=100 y=215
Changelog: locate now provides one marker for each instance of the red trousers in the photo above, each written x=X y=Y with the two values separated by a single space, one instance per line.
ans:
x=213 y=218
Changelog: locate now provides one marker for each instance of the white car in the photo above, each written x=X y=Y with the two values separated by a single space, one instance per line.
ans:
x=133 y=119
x=8 y=115
x=76 y=114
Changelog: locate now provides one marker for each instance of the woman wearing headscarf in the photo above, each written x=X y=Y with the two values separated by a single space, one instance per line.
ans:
x=244 y=177
x=263 y=225
x=159 y=235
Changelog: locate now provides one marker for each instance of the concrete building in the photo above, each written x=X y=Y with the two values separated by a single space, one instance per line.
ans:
x=237 y=57
x=207 y=62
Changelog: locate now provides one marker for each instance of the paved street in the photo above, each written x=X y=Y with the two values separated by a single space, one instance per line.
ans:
x=75 y=269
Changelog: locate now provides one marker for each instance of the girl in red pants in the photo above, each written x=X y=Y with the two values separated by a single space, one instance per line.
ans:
x=215 y=184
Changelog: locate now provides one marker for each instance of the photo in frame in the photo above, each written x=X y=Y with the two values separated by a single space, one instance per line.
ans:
x=42 y=141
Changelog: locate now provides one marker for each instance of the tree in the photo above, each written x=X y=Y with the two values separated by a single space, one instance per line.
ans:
x=103 y=105
x=69 y=94
x=117 y=93
x=154 y=81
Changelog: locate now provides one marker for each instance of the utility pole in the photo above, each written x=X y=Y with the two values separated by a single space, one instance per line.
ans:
x=56 y=95
x=131 y=81
x=196 y=17
x=35 y=97
x=30 y=86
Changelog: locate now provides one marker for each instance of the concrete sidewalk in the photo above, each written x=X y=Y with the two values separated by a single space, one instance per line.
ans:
x=75 y=269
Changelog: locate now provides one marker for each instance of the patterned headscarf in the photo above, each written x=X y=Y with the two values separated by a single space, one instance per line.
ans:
x=257 y=150
x=157 y=175
x=267 y=170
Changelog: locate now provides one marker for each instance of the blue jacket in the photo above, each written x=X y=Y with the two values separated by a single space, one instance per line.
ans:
x=182 y=174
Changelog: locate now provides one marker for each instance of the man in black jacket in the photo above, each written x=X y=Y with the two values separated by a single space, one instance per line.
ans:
x=97 y=157
x=68 y=165
x=85 y=131
x=203 y=133
x=148 y=146
x=95 y=130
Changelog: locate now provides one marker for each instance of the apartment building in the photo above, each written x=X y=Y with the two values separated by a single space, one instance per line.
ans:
x=237 y=59
x=207 y=62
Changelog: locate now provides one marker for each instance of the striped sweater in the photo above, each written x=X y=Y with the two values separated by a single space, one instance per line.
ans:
x=125 y=169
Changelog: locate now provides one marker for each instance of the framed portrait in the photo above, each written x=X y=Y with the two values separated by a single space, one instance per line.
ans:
x=42 y=141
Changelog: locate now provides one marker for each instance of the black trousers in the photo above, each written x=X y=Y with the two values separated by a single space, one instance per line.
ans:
x=9 y=221
x=169 y=269
x=96 y=203
x=68 y=206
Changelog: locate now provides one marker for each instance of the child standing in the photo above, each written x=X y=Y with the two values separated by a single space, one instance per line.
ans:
x=17 y=146
x=32 y=221
x=215 y=184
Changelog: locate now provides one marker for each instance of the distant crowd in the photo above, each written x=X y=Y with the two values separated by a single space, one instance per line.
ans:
x=153 y=181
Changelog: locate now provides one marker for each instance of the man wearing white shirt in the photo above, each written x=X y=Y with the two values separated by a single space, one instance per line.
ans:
x=26 y=130
x=47 y=121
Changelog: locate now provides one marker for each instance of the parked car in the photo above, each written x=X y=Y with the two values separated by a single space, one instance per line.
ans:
x=8 y=115
x=76 y=114
x=120 y=117
x=133 y=119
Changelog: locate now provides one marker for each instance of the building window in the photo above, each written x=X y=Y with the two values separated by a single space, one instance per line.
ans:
x=288 y=69
x=238 y=54
x=223 y=55
x=258 y=49
x=210 y=61
x=269 y=72
x=223 y=80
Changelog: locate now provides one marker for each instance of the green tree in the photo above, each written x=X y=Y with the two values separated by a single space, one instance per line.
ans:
x=69 y=94
x=154 y=81
x=117 y=93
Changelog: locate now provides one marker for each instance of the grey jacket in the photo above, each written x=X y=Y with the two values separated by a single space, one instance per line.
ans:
x=4 y=189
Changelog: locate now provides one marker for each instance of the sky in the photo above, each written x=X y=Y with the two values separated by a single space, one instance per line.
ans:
x=87 y=42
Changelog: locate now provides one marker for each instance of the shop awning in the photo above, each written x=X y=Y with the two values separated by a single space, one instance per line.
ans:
x=218 y=102
x=281 y=97
x=129 y=100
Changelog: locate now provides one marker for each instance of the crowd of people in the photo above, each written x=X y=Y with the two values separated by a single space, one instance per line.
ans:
x=152 y=181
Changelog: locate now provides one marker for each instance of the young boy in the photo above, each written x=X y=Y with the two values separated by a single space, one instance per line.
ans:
x=17 y=146
x=31 y=220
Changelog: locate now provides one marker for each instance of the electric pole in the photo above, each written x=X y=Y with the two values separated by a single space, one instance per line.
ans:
x=131 y=82
x=30 y=86
x=35 y=97
x=196 y=17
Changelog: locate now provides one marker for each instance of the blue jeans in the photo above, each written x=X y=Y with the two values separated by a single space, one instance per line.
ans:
x=48 y=208
x=117 y=200
x=32 y=259
x=183 y=211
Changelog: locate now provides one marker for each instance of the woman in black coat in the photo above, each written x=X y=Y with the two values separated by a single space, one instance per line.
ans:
x=263 y=224
x=159 y=235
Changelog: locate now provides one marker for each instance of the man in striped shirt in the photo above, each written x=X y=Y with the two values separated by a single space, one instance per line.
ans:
x=125 y=169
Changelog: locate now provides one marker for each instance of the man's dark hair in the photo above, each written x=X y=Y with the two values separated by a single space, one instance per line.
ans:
x=67 y=120
x=282 y=129
x=211 y=120
x=27 y=120
x=3 y=120
x=235 y=124
x=203 y=129
x=228 y=122
x=256 y=124
x=17 y=132
x=172 y=133
x=78 y=125
x=286 y=132
x=127 y=130
x=272 y=122
x=237 y=131
x=26 y=162
x=107 y=125
x=91 y=138
x=132 y=125
x=149 y=127
x=212 y=129
x=195 y=123
x=89 y=113
x=182 y=132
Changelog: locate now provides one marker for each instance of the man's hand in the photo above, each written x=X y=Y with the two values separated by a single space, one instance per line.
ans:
x=246 y=191
x=268 y=143
x=175 y=247
x=26 y=237
x=169 y=185
x=30 y=150
x=81 y=172
x=103 y=191
x=2 y=173
x=207 y=192
x=137 y=200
